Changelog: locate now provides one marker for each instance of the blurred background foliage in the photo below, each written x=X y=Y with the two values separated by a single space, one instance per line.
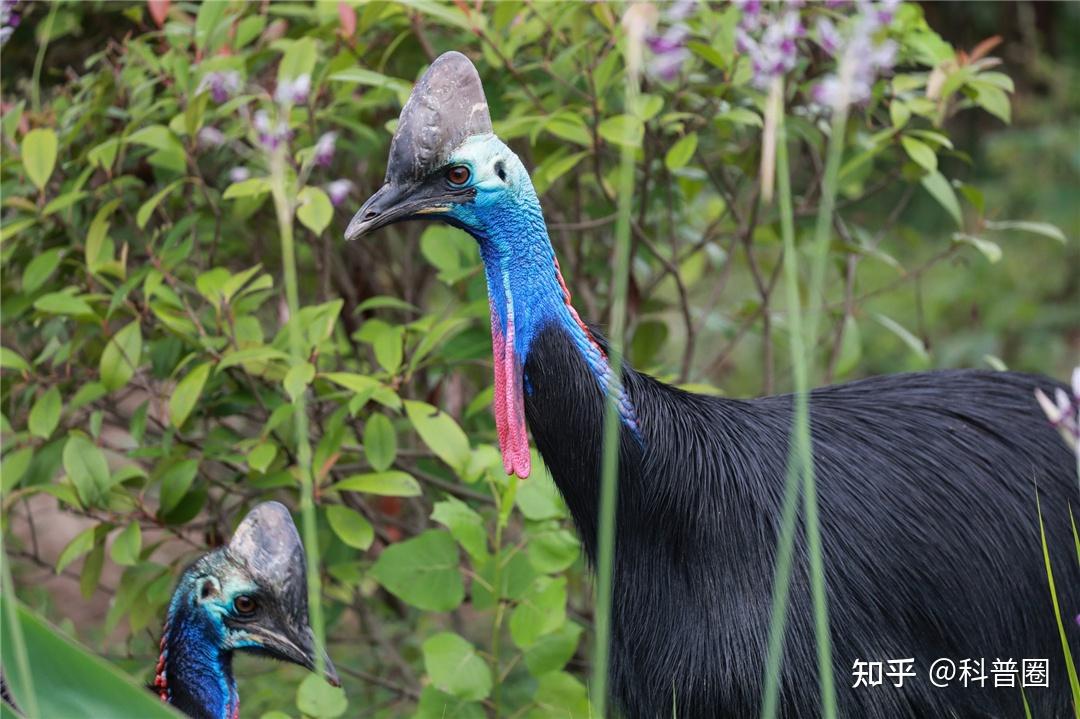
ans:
x=147 y=381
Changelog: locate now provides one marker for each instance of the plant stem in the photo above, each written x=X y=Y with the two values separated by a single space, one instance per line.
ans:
x=612 y=421
x=39 y=60
x=284 y=209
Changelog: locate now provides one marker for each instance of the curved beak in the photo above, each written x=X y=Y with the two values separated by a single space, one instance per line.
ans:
x=395 y=202
x=297 y=646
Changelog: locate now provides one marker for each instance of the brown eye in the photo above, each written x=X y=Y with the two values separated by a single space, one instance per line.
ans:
x=458 y=175
x=244 y=605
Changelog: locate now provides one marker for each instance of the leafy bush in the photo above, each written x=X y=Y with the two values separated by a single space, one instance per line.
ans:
x=165 y=364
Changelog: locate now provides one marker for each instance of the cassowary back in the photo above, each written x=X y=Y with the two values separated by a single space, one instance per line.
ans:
x=927 y=486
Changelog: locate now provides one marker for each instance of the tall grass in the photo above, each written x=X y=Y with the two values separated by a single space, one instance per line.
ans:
x=633 y=21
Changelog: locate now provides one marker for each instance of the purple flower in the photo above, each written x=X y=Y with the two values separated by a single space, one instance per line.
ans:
x=9 y=20
x=222 y=85
x=270 y=136
x=673 y=39
x=324 y=149
x=681 y=9
x=827 y=36
x=861 y=57
x=210 y=137
x=293 y=92
x=1064 y=411
x=239 y=174
x=339 y=191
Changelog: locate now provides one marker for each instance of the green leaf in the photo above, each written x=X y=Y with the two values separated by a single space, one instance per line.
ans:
x=68 y=680
x=315 y=210
x=187 y=393
x=624 y=130
x=61 y=303
x=39 y=155
x=990 y=249
x=175 y=483
x=10 y=359
x=299 y=59
x=121 y=357
x=13 y=467
x=298 y=378
x=455 y=668
x=423 y=572
x=940 y=189
x=541 y=611
x=127 y=545
x=553 y=551
x=260 y=457
x=247 y=188
x=992 y=99
x=77 y=547
x=465 y=525
x=147 y=208
x=380 y=442
x=209 y=25
x=388 y=484
x=316 y=698
x=1038 y=228
x=86 y=469
x=370 y=78
x=350 y=526
x=560 y=694
x=920 y=152
x=40 y=269
x=435 y=704
x=552 y=651
x=681 y=152
x=539 y=499
x=850 y=347
x=441 y=433
x=914 y=343
x=45 y=414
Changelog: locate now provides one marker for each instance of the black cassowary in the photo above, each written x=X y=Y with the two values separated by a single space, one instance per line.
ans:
x=927 y=482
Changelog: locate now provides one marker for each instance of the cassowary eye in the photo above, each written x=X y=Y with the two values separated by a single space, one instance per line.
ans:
x=458 y=175
x=244 y=605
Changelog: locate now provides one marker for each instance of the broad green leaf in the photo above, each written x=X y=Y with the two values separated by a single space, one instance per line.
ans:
x=247 y=188
x=86 y=469
x=560 y=694
x=175 y=483
x=990 y=249
x=380 y=442
x=370 y=78
x=539 y=499
x=147 y=208
x=315 y=210
x=1038 y=228
x=299 y=59
x=681 y=152
x=39 y=155
x=40 y=269
x=13 y=467
x=90 y=577
x=553 y=551
x=121 y=357
x=992 y=99
x=388 y=345
x=298 y=378
x=350 y=526
x=250 y=355
x=389 y=484
x=466 y=526
x=423 y=571
x=440 y=432
x=552 y=651
x=920 y=152
x=625 y=130
x=455 y=668
x=68 y=680
x=260 y=457
x=541 y=611
x=210 y=25
x=187 y=393
x=10 y=359
x=61 y=303
x=127 y=545
x=82 y=543
x=316 y=698
x=435 y=704
x=45 y=414
x=940 y=189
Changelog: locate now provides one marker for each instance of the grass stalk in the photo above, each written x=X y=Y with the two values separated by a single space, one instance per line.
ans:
x=616 y=331
x=284 y=209
x=25 y=694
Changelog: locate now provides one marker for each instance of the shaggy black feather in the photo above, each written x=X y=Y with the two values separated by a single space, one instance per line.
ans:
x=926 y=484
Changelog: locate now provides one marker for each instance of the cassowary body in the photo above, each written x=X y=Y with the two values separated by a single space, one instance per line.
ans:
x=248 y=596
x=926 y=482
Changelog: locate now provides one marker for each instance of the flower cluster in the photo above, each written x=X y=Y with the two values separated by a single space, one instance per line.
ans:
x=861 y=55
x=769 y=40
x=668 y=48
x=339 y=191
x=222 y=85
x=293 y=92
x=9 y=20
x=271 y=134
x=1064 y=412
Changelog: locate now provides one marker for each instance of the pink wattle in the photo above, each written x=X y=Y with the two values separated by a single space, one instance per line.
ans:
x=509 y=398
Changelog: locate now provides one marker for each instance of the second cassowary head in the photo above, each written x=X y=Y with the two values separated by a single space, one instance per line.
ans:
x=445 y=161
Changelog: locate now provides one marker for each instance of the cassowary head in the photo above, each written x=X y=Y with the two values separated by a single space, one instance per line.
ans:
x=250 y=595
x=445 y=162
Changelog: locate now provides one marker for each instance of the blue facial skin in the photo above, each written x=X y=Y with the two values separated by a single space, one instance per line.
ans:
x=506 y=219
x=199 y=645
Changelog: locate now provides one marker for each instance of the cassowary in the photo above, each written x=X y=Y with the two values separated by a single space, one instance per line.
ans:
x=927 y=482
x=250 y=595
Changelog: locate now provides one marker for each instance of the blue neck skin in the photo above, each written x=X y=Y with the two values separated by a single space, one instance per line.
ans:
x=196 y=663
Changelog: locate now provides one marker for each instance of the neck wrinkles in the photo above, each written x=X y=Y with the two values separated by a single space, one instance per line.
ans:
x=194 y=672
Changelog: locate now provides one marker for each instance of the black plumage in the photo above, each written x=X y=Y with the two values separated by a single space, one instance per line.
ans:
x=926 y=485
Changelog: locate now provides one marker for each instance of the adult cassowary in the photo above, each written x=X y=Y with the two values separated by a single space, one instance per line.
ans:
x=927 y=482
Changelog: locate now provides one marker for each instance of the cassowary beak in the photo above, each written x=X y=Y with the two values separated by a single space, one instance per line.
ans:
x=267 y=543
x=446 y=107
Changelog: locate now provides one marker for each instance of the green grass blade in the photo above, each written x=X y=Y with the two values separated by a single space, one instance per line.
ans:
x=1070 y=667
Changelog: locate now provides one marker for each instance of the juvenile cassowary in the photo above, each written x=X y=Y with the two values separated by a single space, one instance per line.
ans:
x=250 y=595
x=927 y=482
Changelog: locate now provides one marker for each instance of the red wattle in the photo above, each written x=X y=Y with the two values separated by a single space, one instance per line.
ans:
x=509 y=403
